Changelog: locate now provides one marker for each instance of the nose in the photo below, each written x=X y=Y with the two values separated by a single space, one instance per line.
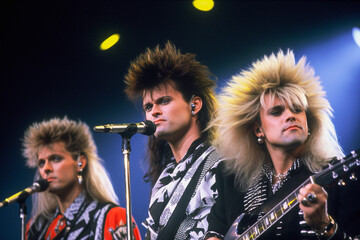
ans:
x=47 y=167
x=290 y=116
x=156 y=110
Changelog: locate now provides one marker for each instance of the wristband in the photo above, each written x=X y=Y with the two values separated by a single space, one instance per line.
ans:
x=327 y=229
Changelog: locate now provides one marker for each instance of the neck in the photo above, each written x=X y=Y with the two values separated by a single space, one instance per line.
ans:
x=181 y=146
x=283 y=159
x=65 y=200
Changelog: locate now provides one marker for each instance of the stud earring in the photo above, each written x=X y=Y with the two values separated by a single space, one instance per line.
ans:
x=79 y=176
x=192 y=109
x=260 y=140
x=309 y=132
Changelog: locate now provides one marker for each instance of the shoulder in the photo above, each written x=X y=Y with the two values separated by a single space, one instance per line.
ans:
x=35 y=226
x=115 y=224
x=116 y=212
x=212 y=156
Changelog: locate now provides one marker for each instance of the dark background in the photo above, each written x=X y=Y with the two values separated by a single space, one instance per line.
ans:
x=52 y=66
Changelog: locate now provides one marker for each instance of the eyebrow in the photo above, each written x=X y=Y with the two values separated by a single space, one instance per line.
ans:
x=52 y=156
x=277 y=107
x=157 y=100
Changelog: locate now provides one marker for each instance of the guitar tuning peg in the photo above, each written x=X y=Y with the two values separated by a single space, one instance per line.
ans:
x=353 y=177
x=353 y=153
x=341 y=182
x=357 y=162
x=333 y=161
x=334 y=175
x=345 y=168
x=301 y=213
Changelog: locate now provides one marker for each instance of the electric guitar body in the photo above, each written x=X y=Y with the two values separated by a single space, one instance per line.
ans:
x=241 y=224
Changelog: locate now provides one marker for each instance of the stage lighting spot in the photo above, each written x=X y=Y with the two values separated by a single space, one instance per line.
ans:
x=203 y=5
x=109 y=42
x=356 y=35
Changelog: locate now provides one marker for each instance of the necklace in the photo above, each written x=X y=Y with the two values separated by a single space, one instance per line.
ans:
x=278 y=180
x=280 y=176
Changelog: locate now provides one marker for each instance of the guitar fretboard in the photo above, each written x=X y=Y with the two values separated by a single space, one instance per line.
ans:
x=273 y=215
x=336 y=168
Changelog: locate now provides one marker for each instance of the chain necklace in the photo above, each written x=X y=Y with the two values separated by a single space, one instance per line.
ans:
x=281 y=176
x=278 y=180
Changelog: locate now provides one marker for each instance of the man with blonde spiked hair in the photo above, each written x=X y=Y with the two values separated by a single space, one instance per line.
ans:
x=80 y=202
x=274 y=130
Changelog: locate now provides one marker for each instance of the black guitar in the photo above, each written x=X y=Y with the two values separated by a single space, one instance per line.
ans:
x=242 y=230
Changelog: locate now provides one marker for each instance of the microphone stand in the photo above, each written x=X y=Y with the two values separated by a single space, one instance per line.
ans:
x=126 y=149
x=22 y=213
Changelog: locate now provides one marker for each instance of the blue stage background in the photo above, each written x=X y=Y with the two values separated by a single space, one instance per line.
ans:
x=52 y=66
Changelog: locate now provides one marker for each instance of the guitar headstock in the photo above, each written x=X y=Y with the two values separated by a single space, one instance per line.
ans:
x=339 y=168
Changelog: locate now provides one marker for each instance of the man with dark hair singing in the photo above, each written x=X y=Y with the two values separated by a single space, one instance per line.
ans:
x=178 y=96
x=274 y=130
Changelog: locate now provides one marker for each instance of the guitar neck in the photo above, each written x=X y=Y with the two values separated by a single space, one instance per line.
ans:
x=270 y=218
x=323 y=178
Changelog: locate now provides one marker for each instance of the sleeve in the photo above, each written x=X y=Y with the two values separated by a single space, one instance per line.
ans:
x=217 y=217
x=115 y=225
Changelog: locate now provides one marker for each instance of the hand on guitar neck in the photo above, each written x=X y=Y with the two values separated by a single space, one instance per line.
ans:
x=313 y=203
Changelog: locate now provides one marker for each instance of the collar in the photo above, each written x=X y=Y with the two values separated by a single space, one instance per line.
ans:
x=268 y=168
x=193 y=147
x=75 y=207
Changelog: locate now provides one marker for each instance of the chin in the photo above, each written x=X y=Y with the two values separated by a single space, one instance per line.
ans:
x=161 y=134
x=295 y=143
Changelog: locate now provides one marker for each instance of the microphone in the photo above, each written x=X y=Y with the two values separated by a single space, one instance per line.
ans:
x=147 y=128
x=38 y=186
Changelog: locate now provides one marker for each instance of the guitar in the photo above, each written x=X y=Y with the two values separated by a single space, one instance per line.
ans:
x=336 y=169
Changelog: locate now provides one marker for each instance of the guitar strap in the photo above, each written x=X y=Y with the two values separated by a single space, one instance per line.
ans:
x=179 y=214
x=299 y=177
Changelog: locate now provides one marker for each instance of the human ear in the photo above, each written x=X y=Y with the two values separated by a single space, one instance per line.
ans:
x=196 y=104
x=257 y=130
x=82 y=161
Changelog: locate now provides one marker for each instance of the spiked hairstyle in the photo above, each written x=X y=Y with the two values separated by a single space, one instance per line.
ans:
x=156 y=68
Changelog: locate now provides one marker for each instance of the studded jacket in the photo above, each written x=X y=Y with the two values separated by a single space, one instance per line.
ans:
x=231 y=202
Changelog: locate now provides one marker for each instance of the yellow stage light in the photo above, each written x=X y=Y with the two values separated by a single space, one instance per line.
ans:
x=203 y=5
x=110 y=41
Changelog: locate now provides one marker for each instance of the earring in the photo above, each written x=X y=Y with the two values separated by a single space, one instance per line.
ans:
x=79 y=176
x=192 y=109
x=260 y=140
x=309 y=132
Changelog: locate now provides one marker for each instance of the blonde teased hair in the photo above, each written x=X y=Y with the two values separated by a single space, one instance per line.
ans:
x=295 y=85
x=78 y=140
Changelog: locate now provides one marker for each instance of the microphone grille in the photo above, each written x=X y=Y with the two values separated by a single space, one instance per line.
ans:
x=150 y=128
x=43 y=184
